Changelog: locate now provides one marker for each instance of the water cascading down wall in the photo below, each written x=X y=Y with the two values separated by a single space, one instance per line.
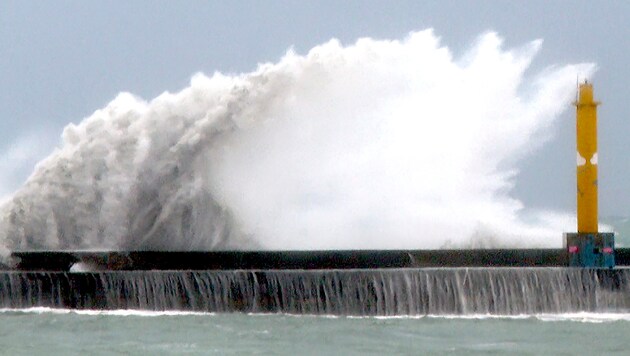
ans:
x=356 y=180
x=359 y=282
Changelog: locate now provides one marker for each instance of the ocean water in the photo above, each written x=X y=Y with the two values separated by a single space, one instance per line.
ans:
x=64 y=332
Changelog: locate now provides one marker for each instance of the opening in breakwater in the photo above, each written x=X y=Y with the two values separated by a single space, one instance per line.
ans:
x=500 y=291
x=380 y=144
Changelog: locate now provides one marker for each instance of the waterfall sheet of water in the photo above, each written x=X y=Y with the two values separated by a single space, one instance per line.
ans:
x=385 y=292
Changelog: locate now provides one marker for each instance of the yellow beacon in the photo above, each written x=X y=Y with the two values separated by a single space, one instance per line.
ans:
x=588 y=247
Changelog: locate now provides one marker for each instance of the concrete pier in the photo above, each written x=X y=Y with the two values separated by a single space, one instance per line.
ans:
x=303 y=260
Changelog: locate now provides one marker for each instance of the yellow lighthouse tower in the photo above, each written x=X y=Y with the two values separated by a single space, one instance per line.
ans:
x=586 y=130
x=588 y=247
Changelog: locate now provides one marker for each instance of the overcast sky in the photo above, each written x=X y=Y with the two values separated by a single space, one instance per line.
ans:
x=62 y=60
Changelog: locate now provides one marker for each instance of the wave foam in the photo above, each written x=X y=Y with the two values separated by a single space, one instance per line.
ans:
x=379 y=144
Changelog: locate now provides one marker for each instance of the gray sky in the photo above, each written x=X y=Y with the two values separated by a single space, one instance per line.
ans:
x=61 y=60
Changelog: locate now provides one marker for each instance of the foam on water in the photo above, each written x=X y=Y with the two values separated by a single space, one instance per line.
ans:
x=583 y=317
x=119 y=312
x=586 y=317
x=377 y=144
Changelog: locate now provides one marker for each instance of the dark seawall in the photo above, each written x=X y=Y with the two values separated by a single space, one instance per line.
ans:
x=409 y=291
x=304 y=260
x=390 y=282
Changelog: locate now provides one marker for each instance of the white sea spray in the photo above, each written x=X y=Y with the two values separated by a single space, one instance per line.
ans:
x=378 y=144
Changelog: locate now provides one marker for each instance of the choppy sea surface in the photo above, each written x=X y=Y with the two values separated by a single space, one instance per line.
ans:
x=63 y=332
